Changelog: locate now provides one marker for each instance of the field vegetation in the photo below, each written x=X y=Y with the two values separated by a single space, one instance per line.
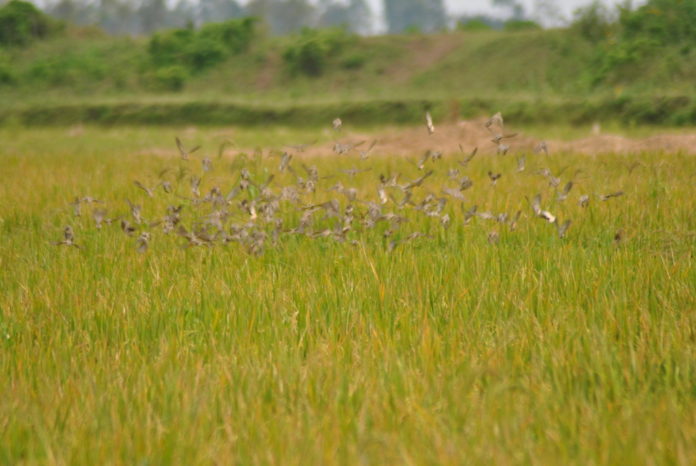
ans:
x=476 y=342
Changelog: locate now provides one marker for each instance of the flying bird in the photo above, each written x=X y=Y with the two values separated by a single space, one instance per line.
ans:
x=429 y=123
x=182 y=150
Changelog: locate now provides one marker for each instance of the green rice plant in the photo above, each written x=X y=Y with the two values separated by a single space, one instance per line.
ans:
x=448 y=349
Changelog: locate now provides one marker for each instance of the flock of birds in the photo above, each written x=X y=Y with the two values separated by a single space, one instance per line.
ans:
x=312 y=205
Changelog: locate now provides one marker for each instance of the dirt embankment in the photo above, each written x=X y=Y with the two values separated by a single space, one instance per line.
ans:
x=467 y=135
x=472 y=133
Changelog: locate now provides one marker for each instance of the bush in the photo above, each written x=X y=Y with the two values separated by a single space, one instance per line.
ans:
x=235 y=35
x=170 y=78
x=639 y=35
x=354 y=61
x=197 y=50
x=51 y=71
x=7 y=75
x=666 y=21
x=21 y=22
x=310 y=52
x=202 y=53
x=593 y=22
x=521 y=25
x=474 y=25
x=166 y=48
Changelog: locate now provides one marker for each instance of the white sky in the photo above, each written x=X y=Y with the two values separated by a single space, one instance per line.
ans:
x=458 y=7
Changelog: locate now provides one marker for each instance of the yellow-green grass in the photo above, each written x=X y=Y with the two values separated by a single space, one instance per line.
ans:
x=447 y=350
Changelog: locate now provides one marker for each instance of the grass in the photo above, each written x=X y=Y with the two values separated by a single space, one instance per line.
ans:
x=544 y=76
x=446 y=350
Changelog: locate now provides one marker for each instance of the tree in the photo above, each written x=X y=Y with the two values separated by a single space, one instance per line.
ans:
x=218 y=10
x=424 y=15
x=152 y=15
x=548 y=13
x=513 y=6
x=283 y=16
x=355 y=15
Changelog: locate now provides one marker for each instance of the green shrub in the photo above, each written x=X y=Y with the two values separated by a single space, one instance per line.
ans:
x=51 y=71
x=593 y=22
x=666 y=21
x=7 y=74
x=167 y=47
x=639 y=35
x=354 y=61
x=235 y=35
x=310 y=52
x=169 y=78
x=21 y=22
x=198 y=50
x=202 y=53
x=521 y=25
x=474 y=25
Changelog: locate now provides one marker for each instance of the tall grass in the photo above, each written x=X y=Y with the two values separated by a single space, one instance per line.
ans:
x=446 y=350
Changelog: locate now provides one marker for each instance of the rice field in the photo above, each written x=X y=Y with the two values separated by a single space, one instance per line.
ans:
x=491 y=337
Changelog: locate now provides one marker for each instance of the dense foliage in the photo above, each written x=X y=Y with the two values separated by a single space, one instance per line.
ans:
x=309 y=52
x=199 y=49
x=21 y=23
x=179 y=52
x=626 y=44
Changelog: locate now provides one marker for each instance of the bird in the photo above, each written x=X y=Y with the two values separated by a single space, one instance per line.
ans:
x=143 y=242
x=541 y=147
x=285 y=159
x=606 y=197
x=426 y=157
x=68 y=238
x=99 y=216
x=495 y=121
x=183 y=152
x=342 y=149
x=493 y=237
x=195 y=186
x=148 y=191
x=465 y=183
x=135 y=211
x=545 y=214
x=563 y=228
x=127 y=228
x=563 y=195
x=301 y=147
x=417 y=182
x=364 y=154
x=469 y=158
x=207 y=164
x=496 y=127
x=429 y=123
x=521 y=163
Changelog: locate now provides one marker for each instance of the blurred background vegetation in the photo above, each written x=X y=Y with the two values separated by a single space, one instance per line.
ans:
x=300 y=62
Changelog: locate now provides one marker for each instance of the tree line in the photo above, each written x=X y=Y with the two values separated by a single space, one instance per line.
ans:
x=142 y=17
